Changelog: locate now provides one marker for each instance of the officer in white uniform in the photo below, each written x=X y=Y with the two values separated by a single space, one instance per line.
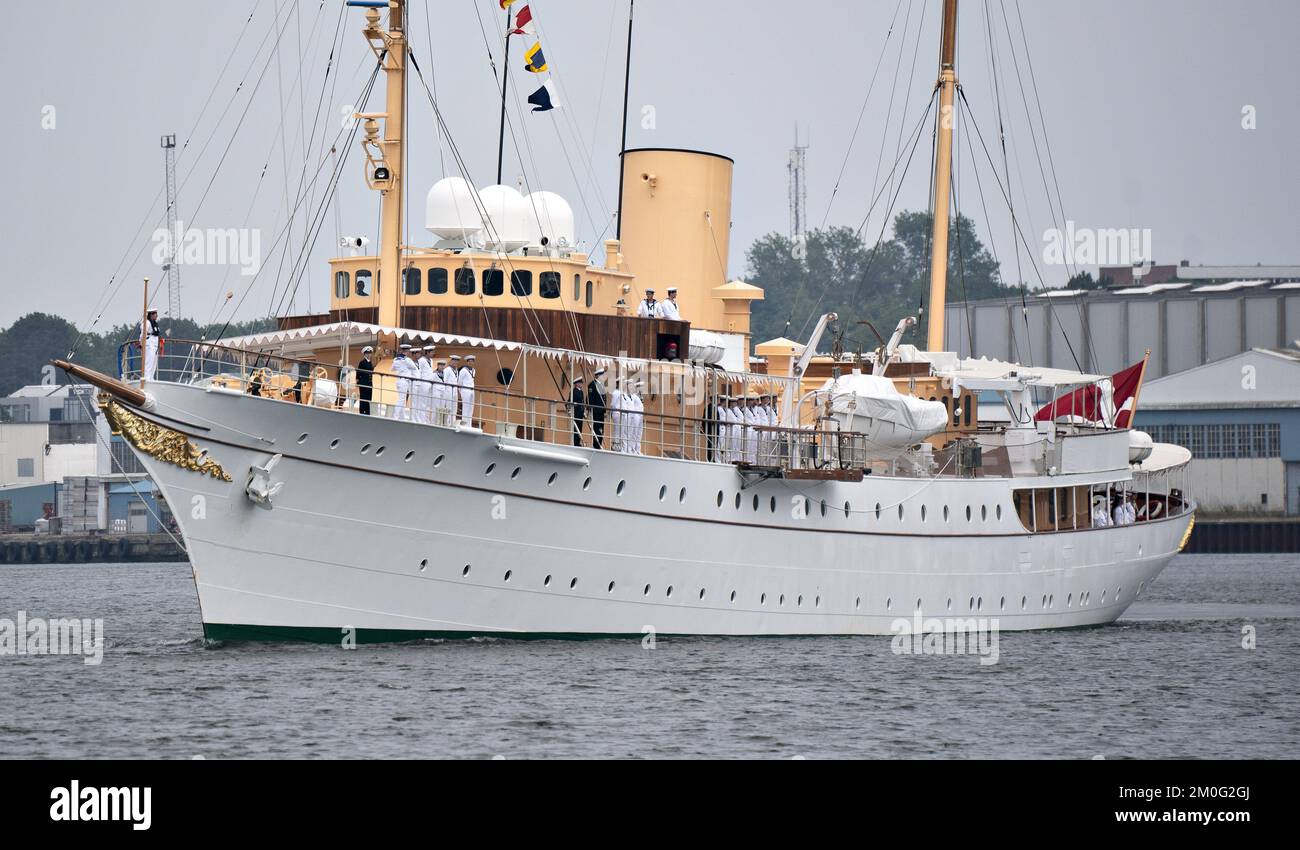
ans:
x=647 y=309
x=151 y=337
x=638 y=416
x=422 y=387
x=667 y=309
x=466 y=381
x=402 y=368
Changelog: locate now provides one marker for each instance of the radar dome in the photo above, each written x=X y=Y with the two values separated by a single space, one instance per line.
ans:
x=451 y=210
x=550 y=216
x=506 y=228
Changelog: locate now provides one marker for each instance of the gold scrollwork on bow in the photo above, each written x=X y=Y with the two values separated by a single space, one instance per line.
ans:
x=162 y=443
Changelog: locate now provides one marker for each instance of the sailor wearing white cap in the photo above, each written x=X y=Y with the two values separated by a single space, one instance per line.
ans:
x=439 y=393
x=466 y=381
x=596 y=405
x=365 y=379
x=420 y=386
x=451 y=381
x=404 y=369
x=647 y=309
x=749 y=416
x=667 y=309
x=735 y=429
x=638 y=417
x=616 y=402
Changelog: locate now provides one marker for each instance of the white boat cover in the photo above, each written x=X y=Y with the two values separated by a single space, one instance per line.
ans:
x=872 y=405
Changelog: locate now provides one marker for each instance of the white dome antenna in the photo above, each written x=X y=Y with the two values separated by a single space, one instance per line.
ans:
x=451 y=212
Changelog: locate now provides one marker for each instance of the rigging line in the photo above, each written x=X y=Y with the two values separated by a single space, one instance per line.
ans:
x=433 y=79
x=893 y=93
x=1002 y=138
x=861 y=112
x=961 y=259
x=911 y=75
x=1030 y=254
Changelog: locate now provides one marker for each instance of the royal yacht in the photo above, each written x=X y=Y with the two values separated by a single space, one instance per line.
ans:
x=880 y=491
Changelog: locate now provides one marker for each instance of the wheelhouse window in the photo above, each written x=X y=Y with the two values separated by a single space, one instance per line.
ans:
x=577 y=288
x=590 y=288
x=494 y=281
x=521 y=283
x=548 y=284
x=411 y=279
x=464 y=281
x=341 y=284
x=363 y=282
x=437 y=281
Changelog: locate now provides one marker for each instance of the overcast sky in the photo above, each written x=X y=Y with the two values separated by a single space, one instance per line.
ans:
x=1142 y=101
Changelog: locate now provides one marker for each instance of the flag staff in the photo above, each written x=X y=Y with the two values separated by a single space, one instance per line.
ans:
x=622 y=151
x=505 y=80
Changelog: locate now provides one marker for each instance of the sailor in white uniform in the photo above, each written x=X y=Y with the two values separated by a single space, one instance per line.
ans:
x=667 y=309
x=451 y=384
x=646 y=309
x=151 y=340
x=1130 y=510
x=749 y=417
x=1100 y=517
x=638 y=416
x=735 y=430
x=422 y=388
x=402 y=367
x=616 y=416
x=466 y=381
x=438 y=393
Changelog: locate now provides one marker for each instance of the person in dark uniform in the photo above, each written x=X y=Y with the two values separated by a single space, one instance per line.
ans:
x=710 y=427
x=365 y=379
x=577 y=409
x=596 y=404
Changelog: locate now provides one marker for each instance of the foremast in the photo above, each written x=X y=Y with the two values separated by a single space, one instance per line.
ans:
x=385 y=157
x=947 y=85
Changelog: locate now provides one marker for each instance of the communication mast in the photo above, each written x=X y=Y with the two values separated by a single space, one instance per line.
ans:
x=171 y=270
x=798 y=189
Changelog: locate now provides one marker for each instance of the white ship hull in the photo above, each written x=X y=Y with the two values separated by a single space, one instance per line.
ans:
x=393 y=546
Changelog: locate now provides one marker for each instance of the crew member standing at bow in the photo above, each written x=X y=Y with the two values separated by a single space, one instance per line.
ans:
x=422 y=386
x=596 y=404
x=365 y=379
x=402 y=367
x=467 y=392
x=151 y=340
x=577 y=408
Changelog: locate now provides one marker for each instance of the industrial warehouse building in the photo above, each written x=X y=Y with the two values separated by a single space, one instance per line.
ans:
x=1186 y=315
x=1240 y=418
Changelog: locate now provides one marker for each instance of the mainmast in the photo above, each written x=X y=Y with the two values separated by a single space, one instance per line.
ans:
x=385 y=157
x=947 y=86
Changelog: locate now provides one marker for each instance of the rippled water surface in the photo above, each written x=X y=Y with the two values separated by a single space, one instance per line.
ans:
x=1171 y=679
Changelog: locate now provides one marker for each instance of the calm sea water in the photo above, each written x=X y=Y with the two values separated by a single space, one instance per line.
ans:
x=1171 y=679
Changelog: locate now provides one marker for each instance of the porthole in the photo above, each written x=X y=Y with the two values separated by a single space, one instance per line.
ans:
x=1069 y=601
x=424 y=562
x=847 y=509
x=857 y=603
x=737 y=501
x=1142 y=585
x=1119 y=591
x=701 y=593
x=490 y=468
x=1103 y=597
x=923 y=510
x=889 y=604
x=999 y=512
x=669 y=594
x=550 y=481
x=646 y=592
x=515 y=473
x=1044 y=604
x=877 y=510
x=968 y=513
x=379 y=451
x=918 y=603
x=1002 y=603
x=945 y=513
x=733 y=596
x=334 y=443
x=773 y=504
x=573 y=582
x=799 y=602
x=984 y=513
x=610 y=589
x=437 y=461
x=755 y=501
x=971 y=605
x=817 y=603
x=823 y=507
x=586 y=485
x=663 y=491
x=807 y=506
x=1051 y=600
x=302 y=438
x=719 y=498
x=681 y=496
x=546 y=582
x=900 y=513
x=365 y=448
x=762 y=599
x=408 y=457
x=465 y=571
x=507 y=575
x=618 y=491
x=949 y=603
x=1023 y=601
x=979 y=603
x=781 y=600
